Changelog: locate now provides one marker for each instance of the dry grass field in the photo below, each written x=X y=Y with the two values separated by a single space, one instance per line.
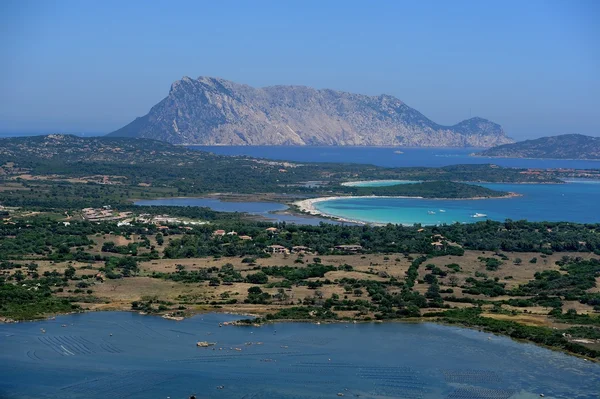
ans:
x=198 y=297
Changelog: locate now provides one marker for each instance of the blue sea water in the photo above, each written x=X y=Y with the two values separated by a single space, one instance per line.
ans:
x=574 y=202
x=266 y=210
x=387 y=156
x=577 y=201
x=126 y=355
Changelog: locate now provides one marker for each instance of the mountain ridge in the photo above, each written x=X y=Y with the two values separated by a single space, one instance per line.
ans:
x=214 y=111
x=565 y=146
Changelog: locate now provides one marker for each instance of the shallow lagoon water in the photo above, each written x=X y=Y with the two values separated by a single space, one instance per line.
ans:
x=576 y=201
x=266 y=210
x=150 y=357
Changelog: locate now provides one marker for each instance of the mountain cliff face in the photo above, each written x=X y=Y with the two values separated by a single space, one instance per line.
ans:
x=566 y=146
x=211 y=111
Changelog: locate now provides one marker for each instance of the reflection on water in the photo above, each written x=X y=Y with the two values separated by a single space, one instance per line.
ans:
x=112 y=355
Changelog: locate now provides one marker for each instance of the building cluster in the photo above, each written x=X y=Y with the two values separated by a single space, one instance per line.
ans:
x=104 y=214
x=280 y=249
x=221 y=233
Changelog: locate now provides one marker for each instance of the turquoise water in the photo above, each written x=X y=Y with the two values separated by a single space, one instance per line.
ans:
x=575 y=202
x=266 y=210
x=150 y=357
x=380 y=183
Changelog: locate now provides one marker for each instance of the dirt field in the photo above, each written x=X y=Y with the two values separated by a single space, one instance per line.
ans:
x=120 y=293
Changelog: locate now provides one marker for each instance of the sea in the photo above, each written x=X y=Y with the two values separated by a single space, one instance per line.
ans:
x=576 y=201
x=390 y=156
x=126 y=355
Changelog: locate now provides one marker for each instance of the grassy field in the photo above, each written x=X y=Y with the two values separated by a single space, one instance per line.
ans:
x=119 y=293
x=159 y=288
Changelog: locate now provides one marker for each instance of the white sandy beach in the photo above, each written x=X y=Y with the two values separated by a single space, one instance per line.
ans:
x=308 y=205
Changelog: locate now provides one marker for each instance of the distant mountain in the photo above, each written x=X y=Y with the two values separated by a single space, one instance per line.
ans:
x=566 y=146
x=211 y=111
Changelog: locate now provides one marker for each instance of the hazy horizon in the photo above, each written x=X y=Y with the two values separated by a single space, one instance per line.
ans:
x=79 y=67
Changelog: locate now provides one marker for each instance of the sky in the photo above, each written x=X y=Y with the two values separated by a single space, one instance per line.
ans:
x=93 y=66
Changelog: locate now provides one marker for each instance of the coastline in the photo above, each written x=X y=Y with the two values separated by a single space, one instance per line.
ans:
x=307 y=206
x=260 y=322
x=477 y=155
x=359 y=182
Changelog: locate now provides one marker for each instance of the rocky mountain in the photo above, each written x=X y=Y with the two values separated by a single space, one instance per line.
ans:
x=212 y=111
x=566 y=146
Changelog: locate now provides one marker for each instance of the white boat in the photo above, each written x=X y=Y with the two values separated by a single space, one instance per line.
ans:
x=479 y=215
x=442 y=210
x=431 y=212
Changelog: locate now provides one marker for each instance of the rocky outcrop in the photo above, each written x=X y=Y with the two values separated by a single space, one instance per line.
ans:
x=211 y=111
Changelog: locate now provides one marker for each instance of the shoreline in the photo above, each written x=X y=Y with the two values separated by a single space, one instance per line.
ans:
x=236 y=323
x=476 y=155
x=396 y=181
x=307 y=206
x=356 y=183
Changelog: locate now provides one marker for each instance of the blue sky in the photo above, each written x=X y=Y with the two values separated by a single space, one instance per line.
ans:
x=93 y=66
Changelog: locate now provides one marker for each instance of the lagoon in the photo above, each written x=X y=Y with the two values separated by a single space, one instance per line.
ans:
x=269 y=211
x=576 y=201
x=150 y=357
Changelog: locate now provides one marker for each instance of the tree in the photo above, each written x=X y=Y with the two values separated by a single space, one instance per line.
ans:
x=281 y=295
x=70 y=272
x=19 y=276
x=433 y=291
x=453 y=280
x=254 y=290
x=358 y=292
x=257 y=278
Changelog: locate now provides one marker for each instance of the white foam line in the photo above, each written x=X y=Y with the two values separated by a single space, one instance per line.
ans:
x=66 y=350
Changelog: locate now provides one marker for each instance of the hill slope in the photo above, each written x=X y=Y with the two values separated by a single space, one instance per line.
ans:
x=567 y=146
x=213 y=111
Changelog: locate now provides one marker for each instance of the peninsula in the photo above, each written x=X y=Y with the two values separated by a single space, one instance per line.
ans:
x=567 y=146
x=71 y=240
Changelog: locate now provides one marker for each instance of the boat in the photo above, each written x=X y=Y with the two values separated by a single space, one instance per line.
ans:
x=479 y=215
x=431 y=212
x=205 y=344
x=442 y=210
x=398 y=152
